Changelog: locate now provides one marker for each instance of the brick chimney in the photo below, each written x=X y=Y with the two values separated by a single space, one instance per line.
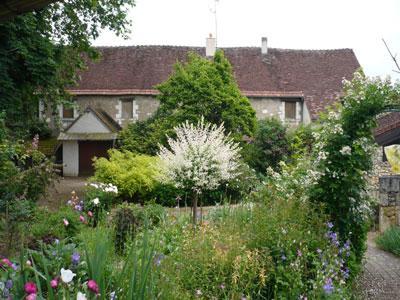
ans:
x=211 y=45
x=264 y=46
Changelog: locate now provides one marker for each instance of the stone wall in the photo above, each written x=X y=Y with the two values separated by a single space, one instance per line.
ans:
x=389 y=201
x=145 y=106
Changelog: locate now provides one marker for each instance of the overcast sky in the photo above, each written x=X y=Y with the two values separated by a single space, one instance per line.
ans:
x=293 y=24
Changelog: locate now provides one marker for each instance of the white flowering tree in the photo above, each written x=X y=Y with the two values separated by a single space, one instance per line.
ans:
x=199 y=159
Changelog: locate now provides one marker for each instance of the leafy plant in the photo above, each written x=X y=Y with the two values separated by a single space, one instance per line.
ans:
x=269 y=146
x=133 y=174
x=390 y=240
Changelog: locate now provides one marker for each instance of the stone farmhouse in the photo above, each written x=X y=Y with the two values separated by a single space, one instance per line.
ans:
x=293 y=85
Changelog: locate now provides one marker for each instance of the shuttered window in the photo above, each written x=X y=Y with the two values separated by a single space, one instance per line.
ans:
x=67 y=112
x=290 y=110
x=127 y=109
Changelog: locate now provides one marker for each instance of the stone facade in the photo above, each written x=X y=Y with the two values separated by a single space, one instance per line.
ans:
x=144 y=106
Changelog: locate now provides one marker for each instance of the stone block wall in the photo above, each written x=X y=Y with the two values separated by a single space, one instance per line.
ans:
x=389 y=201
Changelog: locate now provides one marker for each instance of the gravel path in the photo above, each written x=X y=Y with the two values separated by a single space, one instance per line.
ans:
x=60 y=192
x=381 y=277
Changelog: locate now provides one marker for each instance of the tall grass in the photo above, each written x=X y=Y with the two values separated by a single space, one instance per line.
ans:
x=390 y=240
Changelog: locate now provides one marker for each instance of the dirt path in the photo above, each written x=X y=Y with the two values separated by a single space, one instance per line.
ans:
x=61 y=191
x=381 y=277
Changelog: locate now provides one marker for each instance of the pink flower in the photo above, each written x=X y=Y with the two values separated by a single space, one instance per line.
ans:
x=54 y=283
x=90 y=214
x=7 y=262
x=30 y=288
x=31 y=297
x=82 y=218
x=92 y=285
x=66 y=223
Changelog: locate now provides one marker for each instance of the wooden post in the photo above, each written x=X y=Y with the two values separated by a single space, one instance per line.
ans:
x=195 y=208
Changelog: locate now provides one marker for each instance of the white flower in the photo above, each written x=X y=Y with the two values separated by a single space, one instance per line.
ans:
x=96 y=201
x=67 y=275
x=201 y=157
x=80 y=296
x=346 y=150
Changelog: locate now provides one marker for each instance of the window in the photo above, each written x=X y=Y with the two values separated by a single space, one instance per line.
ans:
x=290 y=110
x=67 y=112
x=127 y=109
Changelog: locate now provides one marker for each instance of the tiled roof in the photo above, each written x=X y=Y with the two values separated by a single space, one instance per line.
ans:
x=387 y=123
x=314 y=74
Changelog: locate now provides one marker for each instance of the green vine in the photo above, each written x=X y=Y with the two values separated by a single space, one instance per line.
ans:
x=343 y=158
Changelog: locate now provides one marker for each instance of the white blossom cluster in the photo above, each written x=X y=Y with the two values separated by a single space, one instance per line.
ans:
x=108 y=188
x=200 y=157
x=346 y=150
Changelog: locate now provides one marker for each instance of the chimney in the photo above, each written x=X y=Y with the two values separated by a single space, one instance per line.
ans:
x=211 y=45
x=264 y=46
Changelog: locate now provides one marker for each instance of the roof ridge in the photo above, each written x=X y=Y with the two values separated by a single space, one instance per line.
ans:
x=230 y=47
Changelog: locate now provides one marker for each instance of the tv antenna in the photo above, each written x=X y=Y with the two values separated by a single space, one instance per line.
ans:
x=214 y=11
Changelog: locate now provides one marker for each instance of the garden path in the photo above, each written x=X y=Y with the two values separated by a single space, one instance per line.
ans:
x=60 y=192
x=381 y=276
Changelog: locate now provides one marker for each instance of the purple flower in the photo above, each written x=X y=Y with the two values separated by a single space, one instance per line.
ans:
x=328 y=286
x=158 y=258
x=75 y=258
x=6 y=293
x=9 y=284
x=330 y=225
x=283 y=257
x=299 y=254
x=346 y=273
x=78 y=207
x=112 y=296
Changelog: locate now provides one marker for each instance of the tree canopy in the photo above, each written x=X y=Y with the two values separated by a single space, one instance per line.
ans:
x=40 y=53
x=200 y=87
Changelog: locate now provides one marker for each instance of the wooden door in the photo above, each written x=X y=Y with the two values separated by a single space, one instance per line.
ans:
x=87 y=151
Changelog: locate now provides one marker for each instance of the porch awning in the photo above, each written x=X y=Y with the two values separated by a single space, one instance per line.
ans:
x=98 y=136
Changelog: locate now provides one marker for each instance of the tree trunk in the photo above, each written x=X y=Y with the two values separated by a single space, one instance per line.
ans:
x=195 y=208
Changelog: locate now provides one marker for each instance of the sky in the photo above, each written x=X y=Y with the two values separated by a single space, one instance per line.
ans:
x=290 y=24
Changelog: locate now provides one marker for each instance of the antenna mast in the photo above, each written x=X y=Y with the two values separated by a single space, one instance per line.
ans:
x=214 y=11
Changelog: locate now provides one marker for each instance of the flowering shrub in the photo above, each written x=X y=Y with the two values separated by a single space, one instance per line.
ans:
x=343 y=157
x=199 y=159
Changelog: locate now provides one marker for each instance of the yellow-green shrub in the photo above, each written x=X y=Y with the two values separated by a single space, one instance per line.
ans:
x=133 y=174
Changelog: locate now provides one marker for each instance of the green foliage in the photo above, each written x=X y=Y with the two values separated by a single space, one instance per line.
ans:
x=343 y=157
x=301 y=142
x=269 y=147
x=41 y=51
x=390 y=240
x=48 y=225
x=24 y=175
x=129 y=218
x=133 y=174
x=201 y=87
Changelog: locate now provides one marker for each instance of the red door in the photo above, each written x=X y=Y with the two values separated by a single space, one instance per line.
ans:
x=88 y=150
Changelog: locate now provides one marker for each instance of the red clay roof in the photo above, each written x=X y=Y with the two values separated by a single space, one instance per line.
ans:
x=315 y=75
